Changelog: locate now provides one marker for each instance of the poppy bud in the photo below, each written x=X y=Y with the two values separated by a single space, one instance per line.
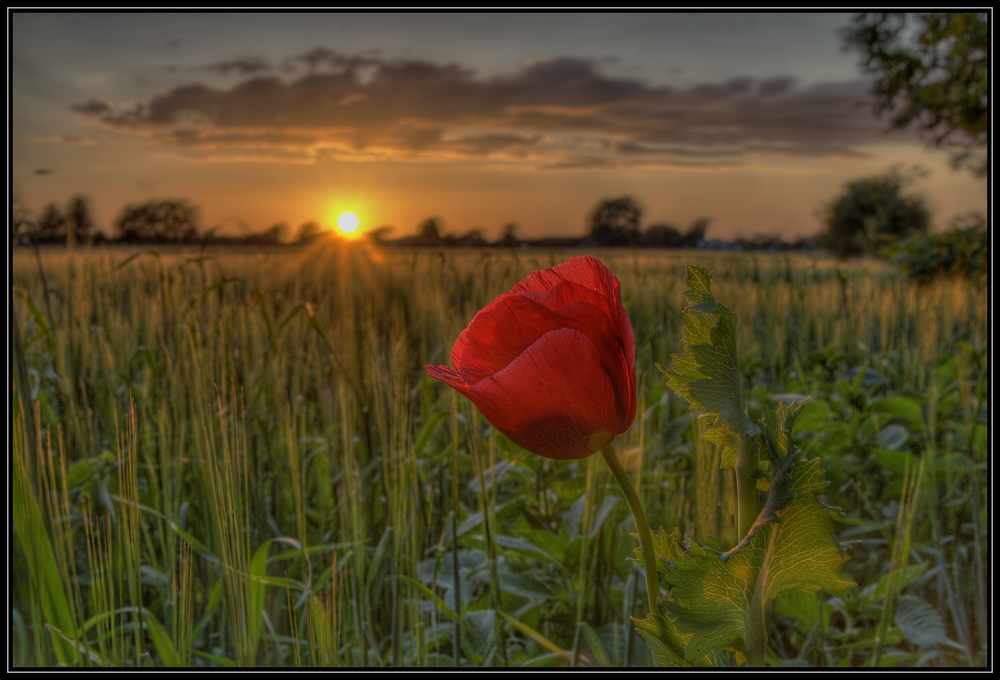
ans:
x=551 y=364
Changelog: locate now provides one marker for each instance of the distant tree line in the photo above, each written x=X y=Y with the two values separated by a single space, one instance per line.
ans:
x=154 y=222
x=874 y=216
x=612 y=223
x=54 y=225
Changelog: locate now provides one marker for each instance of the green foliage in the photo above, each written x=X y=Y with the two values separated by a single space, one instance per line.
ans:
x=709 y=377
x=964 y=250
x=715 y=599
x=932 y=73
x=870 y=213
x=718 y=599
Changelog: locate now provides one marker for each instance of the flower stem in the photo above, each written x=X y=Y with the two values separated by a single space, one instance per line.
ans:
x=641 y=525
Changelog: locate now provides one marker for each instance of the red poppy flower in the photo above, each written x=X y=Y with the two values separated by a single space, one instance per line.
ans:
x=551 y=364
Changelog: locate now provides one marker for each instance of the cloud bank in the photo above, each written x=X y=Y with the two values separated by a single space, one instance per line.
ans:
x=561 y=113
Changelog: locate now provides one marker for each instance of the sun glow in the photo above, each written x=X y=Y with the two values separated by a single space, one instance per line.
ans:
x=348 y=222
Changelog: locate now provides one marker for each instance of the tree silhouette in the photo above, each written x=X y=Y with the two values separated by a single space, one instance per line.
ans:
x=932 y=72
x=615 y=222
x=509 y=238
x=308 y=231
x=79 y=224
x=430 y=230
x=696 y=233
x=472 y=239
x=378 y=234
x=51 y=225
x=870 y=213
x=158 y=221
x=662 y=236
x=269 y=237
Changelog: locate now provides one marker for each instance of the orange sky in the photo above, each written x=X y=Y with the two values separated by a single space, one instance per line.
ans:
x=753 y=122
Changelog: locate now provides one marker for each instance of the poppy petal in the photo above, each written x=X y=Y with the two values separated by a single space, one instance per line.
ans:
x=552 y=363
x=543 y=402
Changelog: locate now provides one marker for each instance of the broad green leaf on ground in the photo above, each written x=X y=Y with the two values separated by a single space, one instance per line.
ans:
x=919 y=622
x=713 y=600
x=709 y=376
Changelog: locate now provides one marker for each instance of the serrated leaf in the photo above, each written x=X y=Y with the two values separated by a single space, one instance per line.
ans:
x=711 y=599
x=777 y=427
x=779 y=495
x=666 y=546
x=665 y=642
x=699 y=294
x=709 y=375
x=729 y=446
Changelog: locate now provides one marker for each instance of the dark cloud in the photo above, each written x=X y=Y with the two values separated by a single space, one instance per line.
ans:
x=635 y=149
x=72 y=139
x=241 y=67
x=774 y=86
x=95 y=108
x=557 y=113
x=485 y=144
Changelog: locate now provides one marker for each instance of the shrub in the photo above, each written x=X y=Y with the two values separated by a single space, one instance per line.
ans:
x=872 y=213
x=964 y=250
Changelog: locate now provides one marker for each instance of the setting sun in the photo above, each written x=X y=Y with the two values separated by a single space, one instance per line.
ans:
x=348 y=223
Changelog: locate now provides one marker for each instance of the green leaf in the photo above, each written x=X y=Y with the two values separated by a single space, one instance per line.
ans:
x=777 y=427
x=709 y=376
x=791 y=547
x=877 y=592
x=919 y=622
x=779 y=496
x=161 y=640
x=893 y=437
x=258 y=576
x=79 y=472
x=43 y=568
x=215 y=658
x=709 y=600
x=666 y=546
x=521 y=585
x=665 y=642
x=907 y=407
x=543 y=641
